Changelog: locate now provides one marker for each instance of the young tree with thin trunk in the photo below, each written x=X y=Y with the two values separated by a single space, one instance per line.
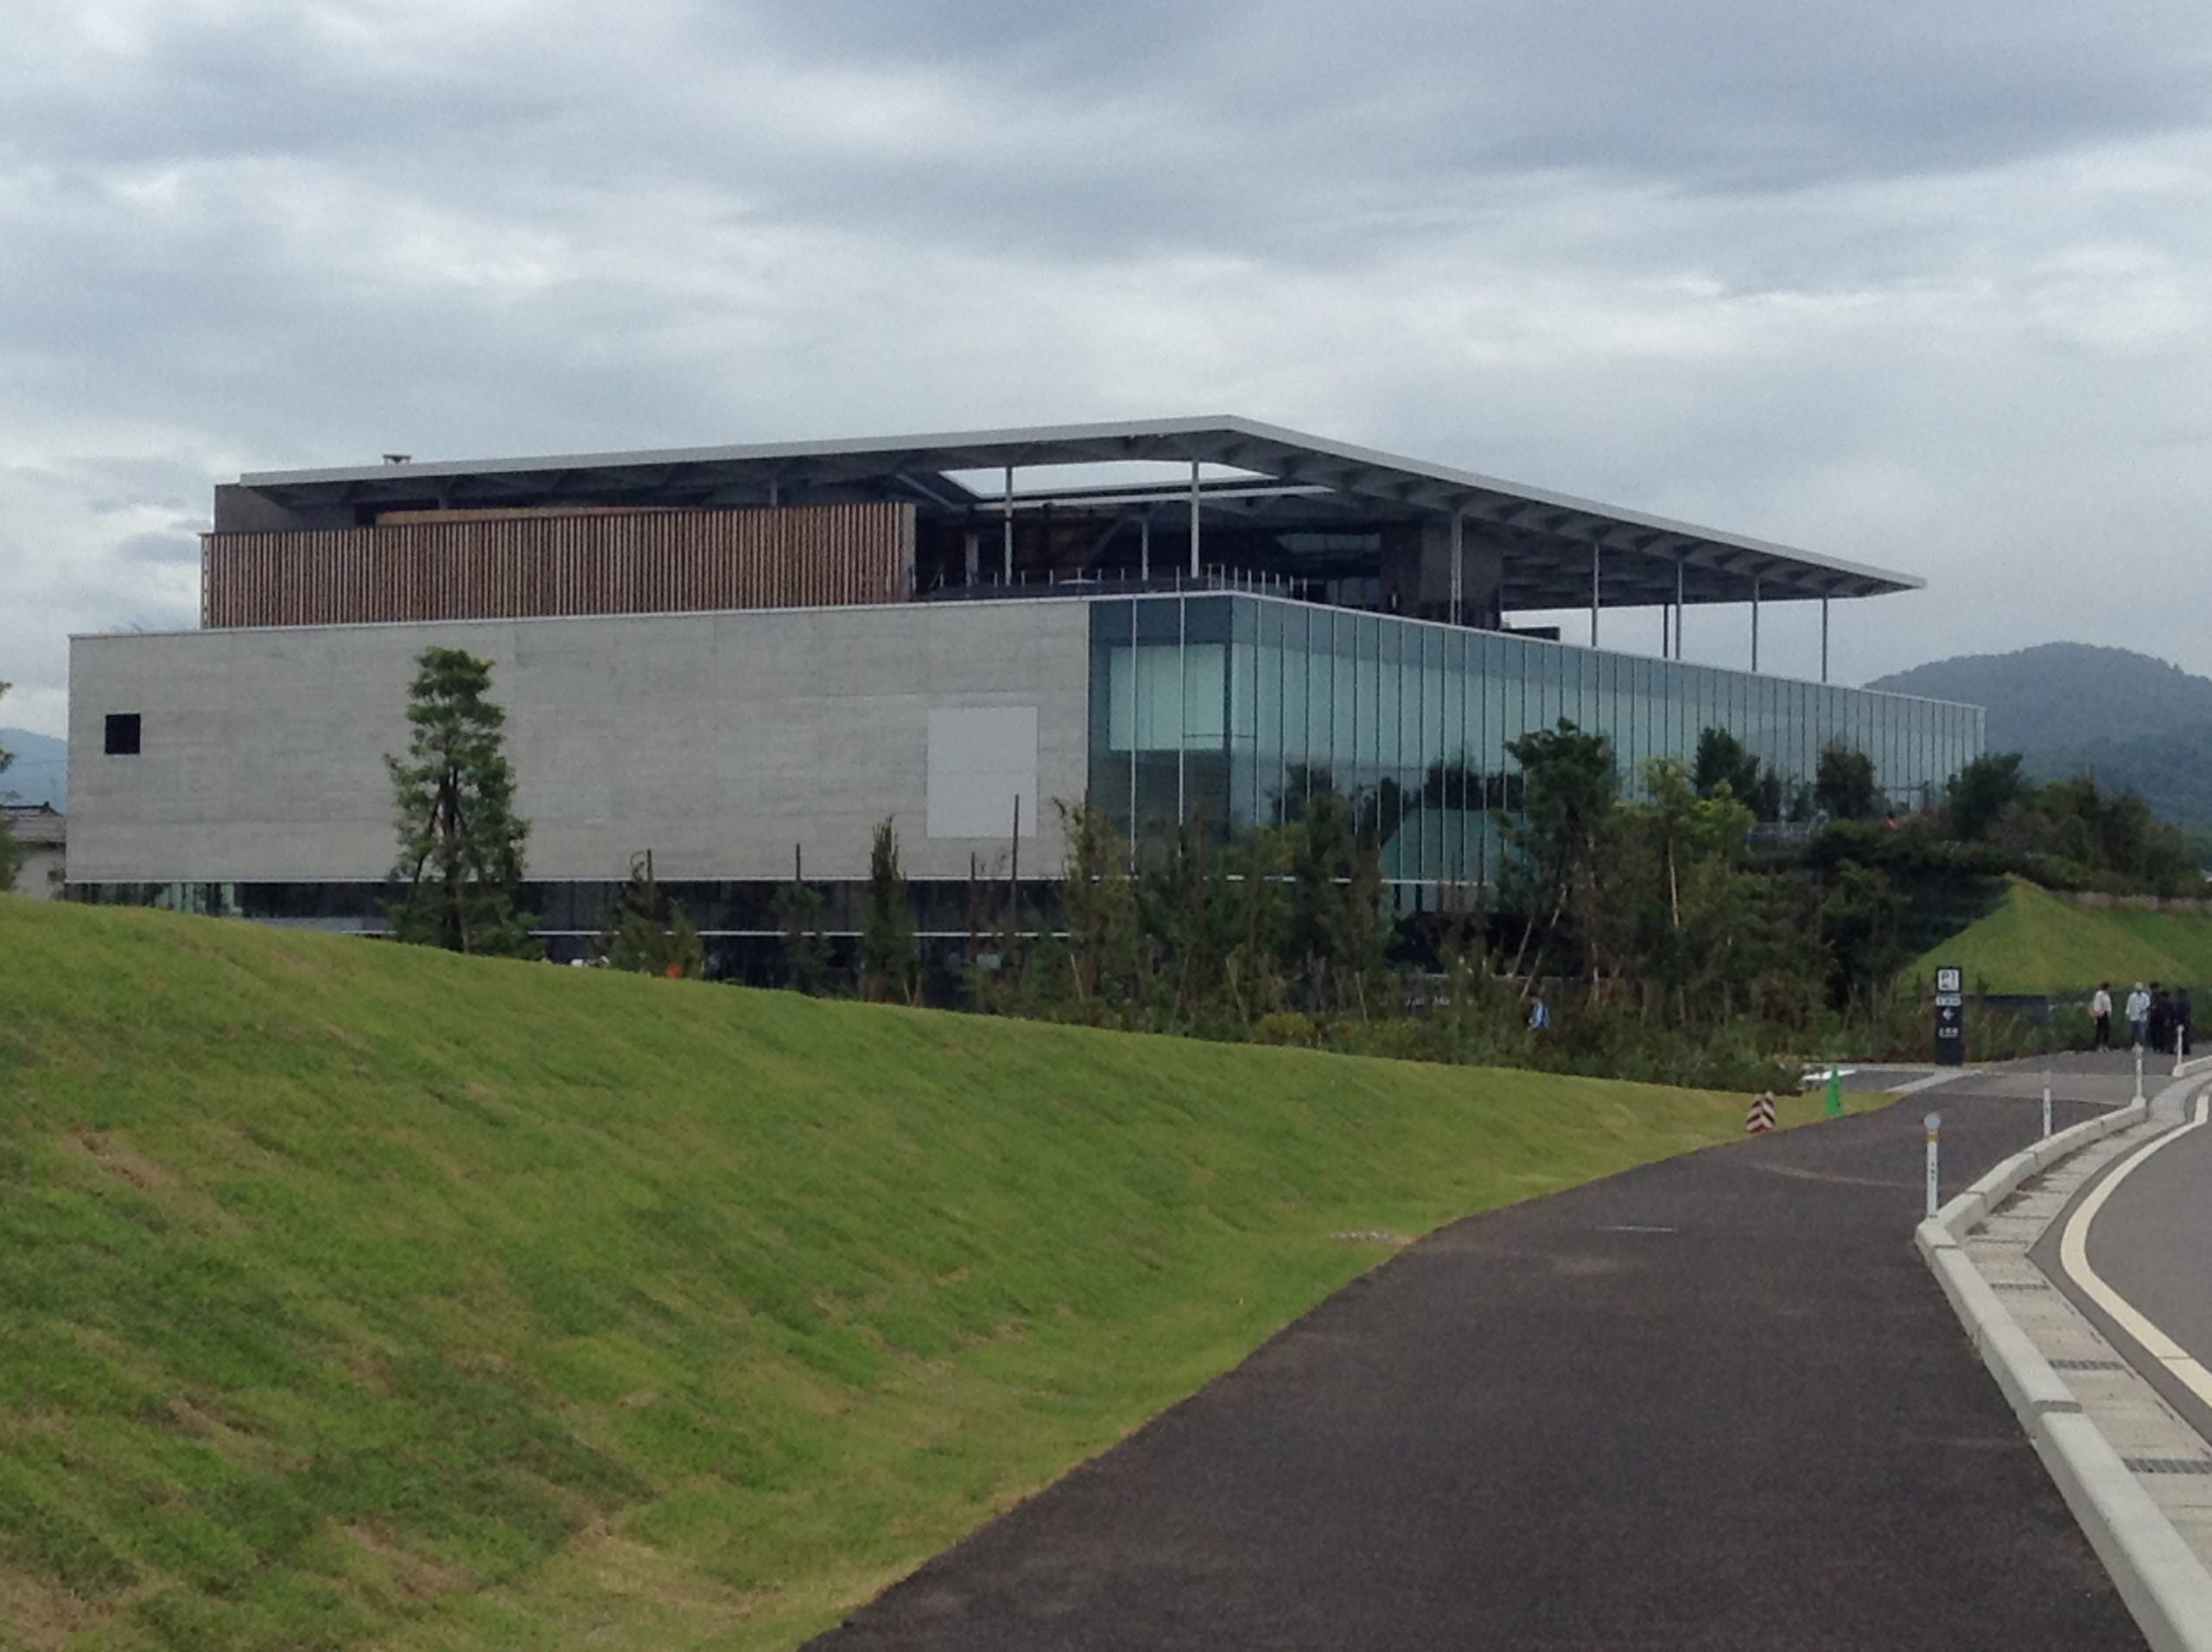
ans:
x=1105 y=945
x=889 y=970
x=651 y=934
x=461 y=847
x=798 y=909
x=1568 y=793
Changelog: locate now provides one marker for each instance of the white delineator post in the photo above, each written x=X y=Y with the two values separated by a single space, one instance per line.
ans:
x=1934 y=1123
x=2046 y=1099
x=2138 y=1072
x=2177 y=1050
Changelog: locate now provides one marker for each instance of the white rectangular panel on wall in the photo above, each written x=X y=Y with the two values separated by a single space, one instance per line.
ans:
x=981 y=758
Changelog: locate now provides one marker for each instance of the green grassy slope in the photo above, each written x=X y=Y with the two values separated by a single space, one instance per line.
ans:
x=2036 y=943
x=357 y=1295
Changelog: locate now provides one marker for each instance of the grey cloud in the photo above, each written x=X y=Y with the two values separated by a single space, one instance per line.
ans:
x=1133 y=127
x=1917 y=284
x=168 y=549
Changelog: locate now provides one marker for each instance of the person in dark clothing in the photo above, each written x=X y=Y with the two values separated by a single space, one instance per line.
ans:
x=2162 y=1019
x=2181 y=1017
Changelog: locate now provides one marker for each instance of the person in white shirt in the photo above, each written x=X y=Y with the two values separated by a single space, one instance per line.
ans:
x=2101 y=1013
x=2139 y=1015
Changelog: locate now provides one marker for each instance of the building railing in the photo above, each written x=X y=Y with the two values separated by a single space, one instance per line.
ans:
x=1216 y=577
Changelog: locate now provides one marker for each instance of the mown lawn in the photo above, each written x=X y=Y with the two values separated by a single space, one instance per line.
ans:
x=2037 y=942
x=352 y=1294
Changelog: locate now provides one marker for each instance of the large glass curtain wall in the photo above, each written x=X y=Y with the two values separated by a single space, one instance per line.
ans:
x=1232 y=709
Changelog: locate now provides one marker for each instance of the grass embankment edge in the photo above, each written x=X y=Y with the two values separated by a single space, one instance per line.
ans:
x=355 y=1295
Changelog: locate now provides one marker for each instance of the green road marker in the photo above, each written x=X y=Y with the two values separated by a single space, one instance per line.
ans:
x=1835 y=1092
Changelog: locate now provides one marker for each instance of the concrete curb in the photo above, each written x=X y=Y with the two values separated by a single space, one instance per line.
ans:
x=2163 y=1583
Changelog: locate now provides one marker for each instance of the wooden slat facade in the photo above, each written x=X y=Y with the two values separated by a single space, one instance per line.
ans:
x=636 y=561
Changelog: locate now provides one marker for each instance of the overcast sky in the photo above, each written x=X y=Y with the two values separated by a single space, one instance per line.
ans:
x=1922 y=285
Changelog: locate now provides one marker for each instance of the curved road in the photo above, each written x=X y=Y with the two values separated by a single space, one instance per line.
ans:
x=2147 y=1240
x=1716 y=1402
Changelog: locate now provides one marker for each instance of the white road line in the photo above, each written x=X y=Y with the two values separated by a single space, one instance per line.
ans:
x=2074 y=1257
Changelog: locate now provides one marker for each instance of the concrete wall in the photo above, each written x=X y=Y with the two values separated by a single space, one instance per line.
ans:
x=39 y=877
x=718 y=741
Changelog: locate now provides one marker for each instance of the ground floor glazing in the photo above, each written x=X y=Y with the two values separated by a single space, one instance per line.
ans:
x=1232 y=707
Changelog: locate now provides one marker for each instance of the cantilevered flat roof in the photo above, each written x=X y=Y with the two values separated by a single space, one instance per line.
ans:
x=1547 y=540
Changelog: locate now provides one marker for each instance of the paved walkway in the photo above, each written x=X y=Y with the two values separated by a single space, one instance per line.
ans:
x=2145 y=1248
x=2150 y=1242
x=1716 y=1402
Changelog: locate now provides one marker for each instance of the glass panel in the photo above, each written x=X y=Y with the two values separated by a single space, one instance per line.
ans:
x=1267 y=716
x=1112 y=779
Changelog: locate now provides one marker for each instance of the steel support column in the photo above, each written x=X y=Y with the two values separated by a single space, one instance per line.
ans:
x=1755 y=622
x=1679 y=567
x=1595 y=553
x=1194 y=519
x=1824 y=639
x=1459 y=542
x=1144 y=546
x=1006 y=531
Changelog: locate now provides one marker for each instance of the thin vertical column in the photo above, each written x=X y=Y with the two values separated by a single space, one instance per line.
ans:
x=1182 y=699
x=1144 y=546
x=1595 y=552
x=1459 y=541
x=1136 y=724
x=1194 y=519
x=1006 y=530
x=1824 y=639
x=1755 y=622
x=1679 y=567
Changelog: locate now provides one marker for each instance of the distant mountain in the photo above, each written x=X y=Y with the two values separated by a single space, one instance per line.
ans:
x=2064 y=696
x=2172 y=769
x=40 y=771
x=2137 y=723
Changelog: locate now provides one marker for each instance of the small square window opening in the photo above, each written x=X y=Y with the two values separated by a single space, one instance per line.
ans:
x=123 y=733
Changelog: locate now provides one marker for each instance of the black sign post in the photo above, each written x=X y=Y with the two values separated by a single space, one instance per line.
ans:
x=1950 y=1018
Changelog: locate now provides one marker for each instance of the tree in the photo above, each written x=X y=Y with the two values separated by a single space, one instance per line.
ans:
x=461 y=847
x=1981 y=793
x=1723 y=760
x=888 y=968
x=1105 y=934
x=1568 y=791
x=1335 y=936
x=1859 y=919
x=798 y=909
x=1844 y=783
x=651 y=935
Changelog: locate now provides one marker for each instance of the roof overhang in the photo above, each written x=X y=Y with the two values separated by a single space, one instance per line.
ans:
x=1548 y=540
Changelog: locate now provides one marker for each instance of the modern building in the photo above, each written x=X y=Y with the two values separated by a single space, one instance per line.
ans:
x=742 y=658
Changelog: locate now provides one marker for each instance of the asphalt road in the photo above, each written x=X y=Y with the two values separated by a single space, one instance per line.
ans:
x=1717 y=1402
x=2151 y=1242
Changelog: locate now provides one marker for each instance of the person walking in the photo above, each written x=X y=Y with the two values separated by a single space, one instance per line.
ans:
x=2161 y=1020
x=2181 y=1019
x=2139 y=1015
x=2100 y=1015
